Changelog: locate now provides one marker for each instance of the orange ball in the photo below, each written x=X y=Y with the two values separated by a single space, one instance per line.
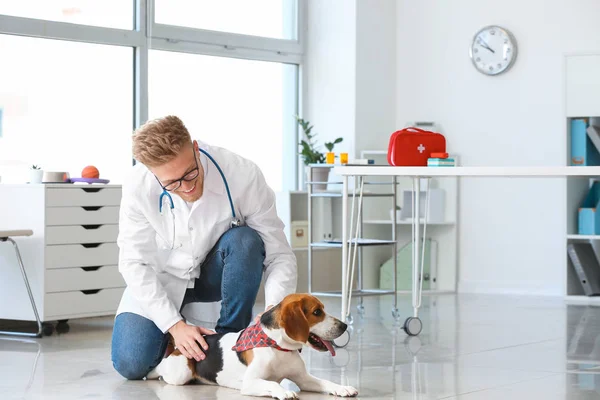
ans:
x=90 y=172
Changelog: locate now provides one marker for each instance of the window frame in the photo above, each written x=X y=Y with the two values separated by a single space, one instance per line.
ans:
x=147 y=34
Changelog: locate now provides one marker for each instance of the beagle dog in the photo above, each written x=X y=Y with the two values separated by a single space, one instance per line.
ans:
x=258 y=358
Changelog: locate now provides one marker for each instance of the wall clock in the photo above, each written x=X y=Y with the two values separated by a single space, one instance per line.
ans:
x=493 y=50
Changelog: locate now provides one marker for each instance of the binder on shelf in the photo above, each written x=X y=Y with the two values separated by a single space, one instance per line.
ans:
x=586 y=267
x=589 y=217
x=583 y=151
x=593 y=133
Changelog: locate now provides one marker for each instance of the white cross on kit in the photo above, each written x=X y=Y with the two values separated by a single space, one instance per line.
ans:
x=421 y=148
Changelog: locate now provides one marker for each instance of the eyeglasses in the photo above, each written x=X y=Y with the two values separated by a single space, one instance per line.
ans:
x=176 y=184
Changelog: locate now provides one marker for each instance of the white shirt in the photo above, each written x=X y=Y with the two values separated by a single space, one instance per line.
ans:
x=158 y=276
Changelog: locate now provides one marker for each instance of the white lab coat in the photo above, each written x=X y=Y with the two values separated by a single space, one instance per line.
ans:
x=156 y=276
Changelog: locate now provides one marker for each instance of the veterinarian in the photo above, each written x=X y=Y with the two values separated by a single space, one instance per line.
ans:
x=179 y=242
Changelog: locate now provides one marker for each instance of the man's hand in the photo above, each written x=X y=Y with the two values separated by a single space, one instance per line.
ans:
x=188 y=339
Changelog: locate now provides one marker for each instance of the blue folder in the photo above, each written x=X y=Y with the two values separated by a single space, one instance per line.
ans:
x=583 y=151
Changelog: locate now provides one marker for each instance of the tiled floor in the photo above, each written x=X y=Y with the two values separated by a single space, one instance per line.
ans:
x=472 y=347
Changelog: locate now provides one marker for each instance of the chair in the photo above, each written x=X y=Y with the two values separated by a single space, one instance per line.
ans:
x=7 y=236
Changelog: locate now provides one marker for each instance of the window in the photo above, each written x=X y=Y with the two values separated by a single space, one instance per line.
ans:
x=105 y=13
x=65 y=105
x=266 y=18
x=80 y=75
x=242 y=105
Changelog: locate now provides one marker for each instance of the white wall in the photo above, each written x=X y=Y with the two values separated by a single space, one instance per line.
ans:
x=350 y=72
x=375 y=73
x=512 y=232
x=330 y=71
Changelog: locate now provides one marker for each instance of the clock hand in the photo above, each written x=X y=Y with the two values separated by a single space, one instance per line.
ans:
x=484 y=44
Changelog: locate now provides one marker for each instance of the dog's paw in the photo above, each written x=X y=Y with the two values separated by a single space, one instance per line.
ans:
x=345 y=391
x=285 y=395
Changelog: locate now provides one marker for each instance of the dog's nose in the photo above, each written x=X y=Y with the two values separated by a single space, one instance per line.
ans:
x=343 y=326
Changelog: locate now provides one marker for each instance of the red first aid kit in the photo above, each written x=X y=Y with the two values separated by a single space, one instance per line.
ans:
x=413 y=146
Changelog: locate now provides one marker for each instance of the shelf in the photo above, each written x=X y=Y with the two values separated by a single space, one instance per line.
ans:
x=361 y=243
x=315 y=249
x=379 y=292
x=404 y=222
x=584 y=237
x=355 y=293
x=339 y=194
x=349 y=189
x=503 y=172
x=582 y=299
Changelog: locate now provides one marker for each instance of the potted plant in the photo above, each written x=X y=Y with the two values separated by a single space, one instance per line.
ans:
x=35 y=174
x=311 y=155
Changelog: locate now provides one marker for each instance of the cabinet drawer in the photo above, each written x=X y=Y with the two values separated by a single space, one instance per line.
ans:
x=81 y=234
x=77 y=255
x=82 y=196
x=84 y=278
x=83 y=215
x=67 y=304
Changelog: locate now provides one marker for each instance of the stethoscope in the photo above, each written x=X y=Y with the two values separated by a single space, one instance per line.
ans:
x=235 y=222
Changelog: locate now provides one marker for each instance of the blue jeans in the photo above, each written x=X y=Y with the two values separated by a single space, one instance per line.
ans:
x=231 y=273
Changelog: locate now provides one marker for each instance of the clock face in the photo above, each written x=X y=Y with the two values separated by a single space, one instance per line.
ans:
x=493 y=51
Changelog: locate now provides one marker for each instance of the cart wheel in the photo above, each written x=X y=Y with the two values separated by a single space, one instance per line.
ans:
x=361 y=309
x=62 y=326
x=342 y=341
x=396 y=314
x=47 y=329
x=412 y=326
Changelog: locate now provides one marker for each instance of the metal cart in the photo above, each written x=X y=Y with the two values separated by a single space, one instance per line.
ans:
x=357 y=244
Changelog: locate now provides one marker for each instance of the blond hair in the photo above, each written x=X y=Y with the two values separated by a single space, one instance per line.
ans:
x=160 y=140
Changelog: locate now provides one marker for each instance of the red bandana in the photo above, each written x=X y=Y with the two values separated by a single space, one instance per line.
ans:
x=253 y=336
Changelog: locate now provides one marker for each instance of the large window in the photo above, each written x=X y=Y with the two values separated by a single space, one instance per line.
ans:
x=228 y=102
x=78 y=76
x=65 y=105
x=106 y=13
x=267 y=18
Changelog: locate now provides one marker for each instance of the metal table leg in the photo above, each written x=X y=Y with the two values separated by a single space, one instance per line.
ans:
x=395 y=312
x=416 y=245
x=344 y=247
x=413 y=325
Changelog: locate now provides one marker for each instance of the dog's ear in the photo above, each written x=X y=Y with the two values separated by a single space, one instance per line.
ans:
x=294 y=322
x=270 y=318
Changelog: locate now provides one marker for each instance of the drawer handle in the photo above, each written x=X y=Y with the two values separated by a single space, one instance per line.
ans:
x=91 y=208
x=91 y=190
x=89 y=227
x=87 y=269
x=91 y=291
x=90 y=245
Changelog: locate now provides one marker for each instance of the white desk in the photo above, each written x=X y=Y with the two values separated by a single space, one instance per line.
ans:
x=413 y=324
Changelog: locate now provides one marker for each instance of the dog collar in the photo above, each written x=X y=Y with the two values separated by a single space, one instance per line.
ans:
x=254 y=336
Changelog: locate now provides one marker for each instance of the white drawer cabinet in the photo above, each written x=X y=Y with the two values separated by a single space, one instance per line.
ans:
x=71 y=259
